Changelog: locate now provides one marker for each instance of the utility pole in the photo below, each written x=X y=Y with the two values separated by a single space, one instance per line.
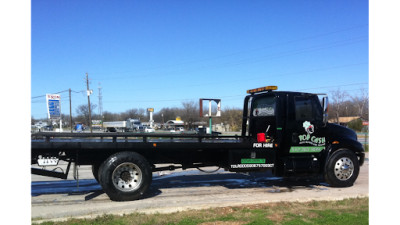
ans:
x=88 y=97
x=100 y=103
x=70 y=110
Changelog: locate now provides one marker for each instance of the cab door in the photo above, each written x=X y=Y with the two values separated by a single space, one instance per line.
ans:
x=305 y=126
x=260 y=154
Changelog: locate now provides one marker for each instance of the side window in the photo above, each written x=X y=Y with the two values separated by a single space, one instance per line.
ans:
x=307 y=109
x=263 y=114
x=265 y=106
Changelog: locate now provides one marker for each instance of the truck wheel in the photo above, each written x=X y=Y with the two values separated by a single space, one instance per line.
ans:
x=342 y=169
x=125 y=176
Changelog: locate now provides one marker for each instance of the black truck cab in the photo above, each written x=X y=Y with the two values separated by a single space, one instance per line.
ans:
x=291 y=135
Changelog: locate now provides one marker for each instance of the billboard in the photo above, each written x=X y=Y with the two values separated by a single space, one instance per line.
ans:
x=97 y=123
x=53 y=106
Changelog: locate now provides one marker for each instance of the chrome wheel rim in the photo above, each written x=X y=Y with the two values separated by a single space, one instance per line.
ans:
x=127 y=177
x=344 y=168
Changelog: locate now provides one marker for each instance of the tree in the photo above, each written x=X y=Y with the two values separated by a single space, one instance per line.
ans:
x=232 y=116
x=338 y=99
x=361 y=102
x=133 y=114
x=190 y=113
x=83 y=112
x=166 y=114
x=355 y=124
x=108 y=116
x=33 y=120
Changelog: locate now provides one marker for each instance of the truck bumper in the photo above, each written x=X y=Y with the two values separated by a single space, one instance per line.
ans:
x=361 y=156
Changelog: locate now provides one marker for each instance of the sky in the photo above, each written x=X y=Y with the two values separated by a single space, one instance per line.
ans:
x=155 y=54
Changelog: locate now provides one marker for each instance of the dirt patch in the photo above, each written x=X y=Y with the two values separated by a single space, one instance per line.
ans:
x=224 y=211
x=224 y=223
x=276 y=217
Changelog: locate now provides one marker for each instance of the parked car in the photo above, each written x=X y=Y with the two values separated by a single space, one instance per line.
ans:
x=148 y=129
x=48 y=128
x=140 y=128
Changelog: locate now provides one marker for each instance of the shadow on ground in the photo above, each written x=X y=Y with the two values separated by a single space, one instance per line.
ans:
x=186 y=179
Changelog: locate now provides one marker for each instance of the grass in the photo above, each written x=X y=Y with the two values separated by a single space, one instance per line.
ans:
x=349 y=211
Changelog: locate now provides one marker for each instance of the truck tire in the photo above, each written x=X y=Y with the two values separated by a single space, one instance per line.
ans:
x=342 y=169
x=125 y=176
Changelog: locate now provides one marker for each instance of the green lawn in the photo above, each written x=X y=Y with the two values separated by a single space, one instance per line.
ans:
x=349 y=211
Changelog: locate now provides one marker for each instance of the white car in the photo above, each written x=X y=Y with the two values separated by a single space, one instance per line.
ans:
x=149 y=130
x=177 y=129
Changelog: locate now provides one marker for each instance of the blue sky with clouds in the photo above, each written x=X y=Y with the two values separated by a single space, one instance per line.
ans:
x=159 y=53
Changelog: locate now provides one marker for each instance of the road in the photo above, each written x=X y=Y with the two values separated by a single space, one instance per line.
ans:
x=54 y=199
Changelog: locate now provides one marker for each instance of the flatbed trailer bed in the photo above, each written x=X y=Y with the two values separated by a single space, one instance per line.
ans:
x=51 y=142
x=190 y=150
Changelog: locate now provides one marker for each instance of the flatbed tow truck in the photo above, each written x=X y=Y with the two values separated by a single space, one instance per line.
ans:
x=284 y=132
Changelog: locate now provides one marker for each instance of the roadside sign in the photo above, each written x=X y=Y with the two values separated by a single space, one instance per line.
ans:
x=53 y=106
x=365 y=123
x=97 y=123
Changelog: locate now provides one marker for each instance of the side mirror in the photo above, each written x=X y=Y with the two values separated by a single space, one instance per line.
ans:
x=325 y=109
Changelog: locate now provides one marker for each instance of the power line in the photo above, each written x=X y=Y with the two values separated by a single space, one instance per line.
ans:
x=292 y=52
x=287 y=74
x=345 y=85
x=259 y=58
x=195 y=84
x=229 y=96
x=239 y=52
x=41 y=96
x=234 y=97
